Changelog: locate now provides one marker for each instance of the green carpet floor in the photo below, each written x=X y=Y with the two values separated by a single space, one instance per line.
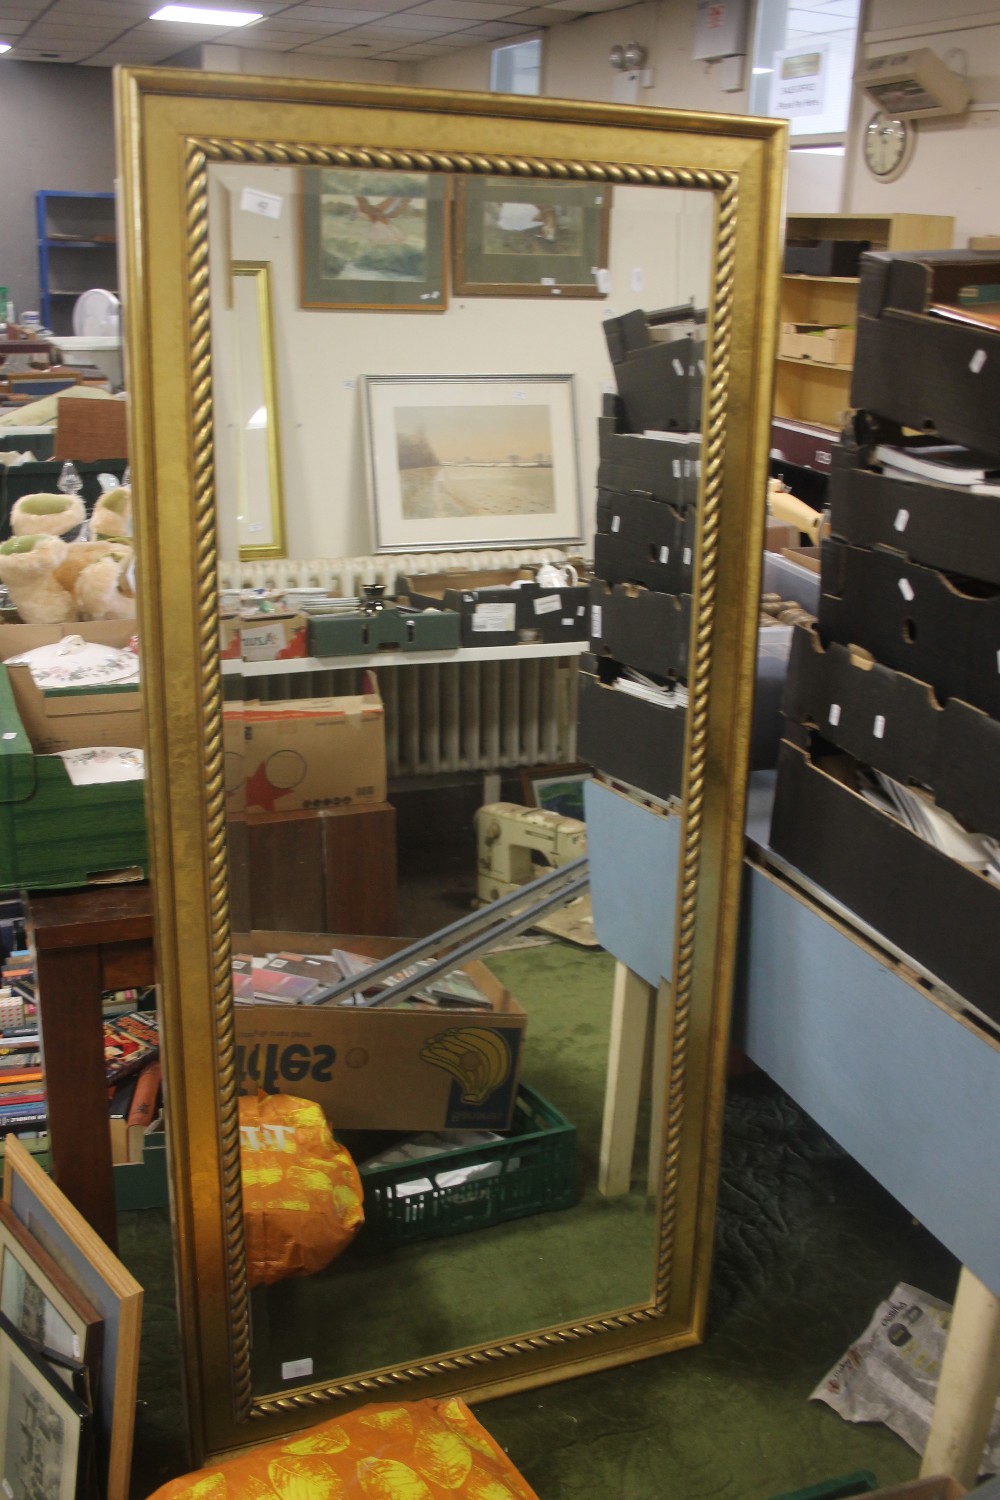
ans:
x=807 y=1244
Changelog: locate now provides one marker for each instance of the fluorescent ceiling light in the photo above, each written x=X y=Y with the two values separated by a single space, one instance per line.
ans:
x=5 y=46
x=762 y=70
x=194 y=15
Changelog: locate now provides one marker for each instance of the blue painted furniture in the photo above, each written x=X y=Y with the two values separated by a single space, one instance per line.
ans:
x=70 y=259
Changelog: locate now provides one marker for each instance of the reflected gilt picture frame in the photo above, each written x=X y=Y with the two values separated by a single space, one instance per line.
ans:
x=531 y=239
x=373 y=242
x=471 y=460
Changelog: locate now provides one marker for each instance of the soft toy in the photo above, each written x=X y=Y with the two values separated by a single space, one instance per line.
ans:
x=51 y=581
x=27 y=567
x=112 y=515
x=95 y=574
x=47 y=515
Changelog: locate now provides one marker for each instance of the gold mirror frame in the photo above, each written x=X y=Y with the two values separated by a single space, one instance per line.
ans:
x=259 y=271
x=171 y=126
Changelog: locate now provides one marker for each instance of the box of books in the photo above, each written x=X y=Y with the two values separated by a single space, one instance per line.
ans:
x=309 y=1022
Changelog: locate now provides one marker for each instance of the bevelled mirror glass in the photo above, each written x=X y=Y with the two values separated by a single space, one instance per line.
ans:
x=438 y=269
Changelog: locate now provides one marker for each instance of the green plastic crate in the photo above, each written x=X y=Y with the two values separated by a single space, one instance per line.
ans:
x=388 y=630
x=532 y=1170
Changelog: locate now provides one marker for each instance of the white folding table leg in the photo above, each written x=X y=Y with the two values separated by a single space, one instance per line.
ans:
x=630 y=1010
x=968 y=1385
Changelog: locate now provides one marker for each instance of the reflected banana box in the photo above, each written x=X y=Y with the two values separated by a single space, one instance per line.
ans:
x=413 y=1069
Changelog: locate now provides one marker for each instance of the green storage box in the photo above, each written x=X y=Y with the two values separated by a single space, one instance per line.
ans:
x=531 y=1170
x=54 y=834
x=143 y=1184
x=388 y=630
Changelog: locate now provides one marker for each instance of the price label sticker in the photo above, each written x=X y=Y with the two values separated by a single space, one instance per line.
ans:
x=902 y=520
x=296 y=1369
x=906 y=589
x=878 y=728
x=595 y=622
x=977 y=361
x=267 y=204
x=834 y=715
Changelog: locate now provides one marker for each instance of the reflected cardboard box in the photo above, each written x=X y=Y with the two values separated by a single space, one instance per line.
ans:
x=499 y=607
x=273 y=637
x=409 y=1069
x=314 y=753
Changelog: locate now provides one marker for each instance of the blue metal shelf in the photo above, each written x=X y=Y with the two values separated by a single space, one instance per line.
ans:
x=47 y=246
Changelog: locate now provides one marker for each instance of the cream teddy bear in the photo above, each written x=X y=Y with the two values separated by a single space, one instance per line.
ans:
x=112 y=515
x=47 y=515
x=50 y=581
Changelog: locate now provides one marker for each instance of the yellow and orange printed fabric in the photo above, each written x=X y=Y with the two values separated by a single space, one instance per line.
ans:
x=302 y=1195
x=421 y=1450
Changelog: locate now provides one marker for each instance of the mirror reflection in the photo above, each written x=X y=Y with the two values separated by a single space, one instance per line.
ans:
x=441 y=363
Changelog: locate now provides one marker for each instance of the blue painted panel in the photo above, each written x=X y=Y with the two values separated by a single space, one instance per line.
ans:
x=910 y=1090
x=633 y=879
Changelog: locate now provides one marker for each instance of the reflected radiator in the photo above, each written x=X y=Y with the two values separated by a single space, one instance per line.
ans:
x=447 y=718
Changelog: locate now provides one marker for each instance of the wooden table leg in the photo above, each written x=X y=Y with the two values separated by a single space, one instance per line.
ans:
x=69 y=1004
x=968 y=1385
x=629 y=1024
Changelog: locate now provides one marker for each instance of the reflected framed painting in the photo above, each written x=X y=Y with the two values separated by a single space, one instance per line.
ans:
x=373 y=240
x=531 y=239
x=471 y=461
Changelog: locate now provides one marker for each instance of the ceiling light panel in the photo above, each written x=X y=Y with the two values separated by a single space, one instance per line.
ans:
x=194 y=15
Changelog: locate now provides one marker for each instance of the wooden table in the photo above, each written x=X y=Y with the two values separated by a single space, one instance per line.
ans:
x=85 y=942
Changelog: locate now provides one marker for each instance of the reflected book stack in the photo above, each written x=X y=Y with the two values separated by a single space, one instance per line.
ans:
x=633 y=688
x=887 y=793
x=22 y=1094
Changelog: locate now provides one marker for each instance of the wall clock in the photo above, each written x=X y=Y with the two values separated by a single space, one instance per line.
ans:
x=888 y=146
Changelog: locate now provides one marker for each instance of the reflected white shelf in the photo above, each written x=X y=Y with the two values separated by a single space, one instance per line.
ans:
x=404 y=658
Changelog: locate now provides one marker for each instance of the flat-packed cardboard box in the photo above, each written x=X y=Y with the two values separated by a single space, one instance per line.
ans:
x=939 y=913
x=928 y=372
x=914 y=619
x=89 y=429
x=648 y=630
x=628 y=738
x=940 y=525
x=896 y=724
x=314 y=752
x=371 y=1069
x=275 y=637
x=661 y=387
x=644 y=541
x=390 y=629
x=817 y=342
x=54 y=834
x=664 y=468
x=826 y=257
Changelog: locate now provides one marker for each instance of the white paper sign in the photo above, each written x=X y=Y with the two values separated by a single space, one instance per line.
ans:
x=489 y=617
x=798 y=84
x=547 y=604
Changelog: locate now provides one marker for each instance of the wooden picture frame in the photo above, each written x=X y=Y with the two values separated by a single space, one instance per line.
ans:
x=530 y=238
x=41 y=1301
x=367 y=246
x=112 y=1290
x=555 y=788
x=440 y=447
x=45 y=1430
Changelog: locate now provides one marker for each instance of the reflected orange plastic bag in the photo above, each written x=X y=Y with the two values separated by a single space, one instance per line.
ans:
x=302 y=1196
x=420 y=1450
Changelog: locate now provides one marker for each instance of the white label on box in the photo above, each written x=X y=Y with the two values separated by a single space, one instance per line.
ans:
x=678 y=367
x=878 y=728
x=603 y=276
x=664 y=554
x=977 y=361
x=296 y=1369
x=595 y=622
x=701 y=367
x=580 y=609
x=822 y=457
x=687 y=557
x=548 y=604
x=489 y=617
x=834 y=714
x=902 y=520
x=677 y=468
x=906 y=589
x=254 y=202
x=548 y=280
x=616 y=522
x=566 y=623
x=636 y=279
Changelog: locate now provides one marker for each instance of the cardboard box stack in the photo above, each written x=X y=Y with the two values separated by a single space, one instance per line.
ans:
x=632 y=689
x=888 y=776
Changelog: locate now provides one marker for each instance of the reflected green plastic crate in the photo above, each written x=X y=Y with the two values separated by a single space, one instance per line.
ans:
x=531 y=1170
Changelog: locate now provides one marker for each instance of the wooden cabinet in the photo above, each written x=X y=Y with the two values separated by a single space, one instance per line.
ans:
x=807 y=390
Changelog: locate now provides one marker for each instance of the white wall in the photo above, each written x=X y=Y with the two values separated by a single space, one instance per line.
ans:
x=659 y=241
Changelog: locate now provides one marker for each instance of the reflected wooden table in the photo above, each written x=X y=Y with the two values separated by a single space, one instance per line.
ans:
x=85 y=942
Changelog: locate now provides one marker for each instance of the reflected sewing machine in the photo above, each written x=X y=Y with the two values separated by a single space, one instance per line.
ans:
x=514 y=845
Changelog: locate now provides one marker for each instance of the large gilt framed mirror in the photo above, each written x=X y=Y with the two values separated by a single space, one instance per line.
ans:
x=695 y=209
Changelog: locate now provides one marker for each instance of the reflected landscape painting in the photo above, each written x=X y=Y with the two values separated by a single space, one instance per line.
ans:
x=474 y=461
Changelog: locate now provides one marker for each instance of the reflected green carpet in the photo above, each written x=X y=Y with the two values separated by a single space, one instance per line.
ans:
x=807 y=1244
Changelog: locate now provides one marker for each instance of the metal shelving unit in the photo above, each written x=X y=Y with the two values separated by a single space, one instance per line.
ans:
x=76 y=251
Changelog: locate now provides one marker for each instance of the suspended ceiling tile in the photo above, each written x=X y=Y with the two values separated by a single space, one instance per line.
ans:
x=463 y=10
x=547 y=16
x=496 y=30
